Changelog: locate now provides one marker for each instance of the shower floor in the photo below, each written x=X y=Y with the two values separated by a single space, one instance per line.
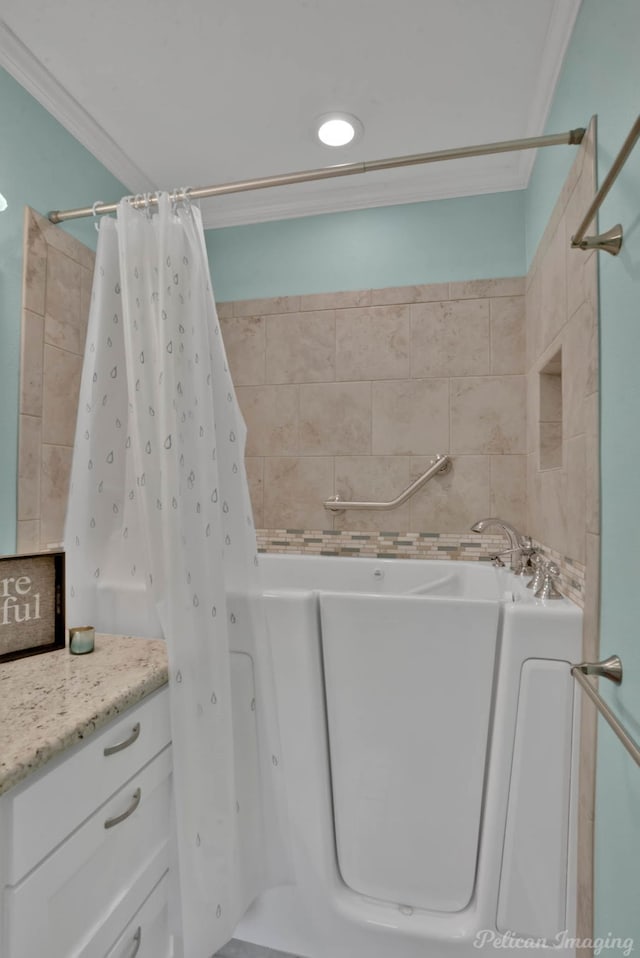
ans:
x=242 y=949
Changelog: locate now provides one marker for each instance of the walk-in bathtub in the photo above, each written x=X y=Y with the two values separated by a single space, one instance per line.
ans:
x=429 y=739
x=429 y=736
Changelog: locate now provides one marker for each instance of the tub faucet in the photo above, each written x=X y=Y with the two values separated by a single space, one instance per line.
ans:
x=520 y=548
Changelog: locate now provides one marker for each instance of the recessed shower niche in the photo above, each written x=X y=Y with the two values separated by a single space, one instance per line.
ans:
x=550 y=419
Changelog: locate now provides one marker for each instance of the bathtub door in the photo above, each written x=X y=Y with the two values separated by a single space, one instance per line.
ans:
x=408 y=693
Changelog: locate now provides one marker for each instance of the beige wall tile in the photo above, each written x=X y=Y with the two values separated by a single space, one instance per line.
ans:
x=533 y=412
x=482 y=288
x=294 y=492
x=592 y=452
x=533 y=320
x=579 y=368
x=271 y=415
x=550 y=525
x=34 y=277
x=488 y=415
x=68 y=330
x=378 y=479
x=553 y=288
x=550 y=386
x=576 y=498
x=224 y=310
x=261 y=307
x=301 y=347
x=255 y=479
x=86 y=290
x=453 y=501
x=591 y=636
x=410 y=417
x=450 y=339
x=64 y=281
x=62 y=372
x=392 y=295
x=31 y=363
x=343 y=300
x=58 y=239
x=335 y=419
x=56 y=470
x=581 y=196
x=508 y=335
x=551 y=445
x=29 y=467
x=373 y=343
x=508 y=476
x=245 y=344
x=586 y=814
x=28 y=536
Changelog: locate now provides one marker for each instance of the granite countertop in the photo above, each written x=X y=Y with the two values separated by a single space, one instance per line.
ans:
x=51 y=701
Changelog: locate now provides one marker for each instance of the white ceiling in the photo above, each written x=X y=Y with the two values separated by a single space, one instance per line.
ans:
x=197 y=92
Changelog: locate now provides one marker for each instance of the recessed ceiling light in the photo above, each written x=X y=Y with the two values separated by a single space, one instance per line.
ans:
x=3 y=203
x=338 y=129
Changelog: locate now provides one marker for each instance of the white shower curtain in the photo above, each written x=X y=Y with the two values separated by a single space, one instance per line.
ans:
x=159 y=507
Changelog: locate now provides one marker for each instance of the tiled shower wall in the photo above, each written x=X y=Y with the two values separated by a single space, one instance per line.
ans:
x=563 y=489
x=57 y=277
x=562 y=333
x=353 y=393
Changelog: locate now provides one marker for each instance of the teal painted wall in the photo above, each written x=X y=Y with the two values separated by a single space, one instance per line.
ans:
x=601 y=75
x=475 y=237
x=41 y=166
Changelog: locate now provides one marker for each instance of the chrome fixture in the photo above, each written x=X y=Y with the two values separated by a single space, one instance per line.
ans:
x=440 y=464
x=548 y=588
x=611 y=241
x=610 y=668
x=538 y=565
x=520 y=548
x=570 y=138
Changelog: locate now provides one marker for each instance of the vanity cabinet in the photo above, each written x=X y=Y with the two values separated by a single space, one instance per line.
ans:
x=85 y=845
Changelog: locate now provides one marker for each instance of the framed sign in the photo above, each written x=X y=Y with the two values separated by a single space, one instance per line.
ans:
x=31 y=604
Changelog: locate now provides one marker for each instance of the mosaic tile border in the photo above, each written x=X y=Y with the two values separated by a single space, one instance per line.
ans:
x=412 y=545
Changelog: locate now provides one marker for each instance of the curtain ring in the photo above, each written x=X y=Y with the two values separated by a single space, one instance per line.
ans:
x=94 y=211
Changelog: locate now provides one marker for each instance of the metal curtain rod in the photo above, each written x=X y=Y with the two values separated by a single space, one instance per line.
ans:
x=611 y=241
x=571 y=138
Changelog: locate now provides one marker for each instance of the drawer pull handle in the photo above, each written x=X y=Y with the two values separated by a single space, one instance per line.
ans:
x=135 y=732
x=137 y=941
x=110 y=822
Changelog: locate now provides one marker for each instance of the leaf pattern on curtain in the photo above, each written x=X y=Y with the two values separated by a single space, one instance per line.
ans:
x=159 y=510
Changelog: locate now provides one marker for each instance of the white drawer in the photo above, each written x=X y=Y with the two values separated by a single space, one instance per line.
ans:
x=64 y=902
x=46 y=808
x=147 y=934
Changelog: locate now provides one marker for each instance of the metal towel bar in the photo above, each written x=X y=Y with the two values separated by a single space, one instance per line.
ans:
x=611 y=241
x=439 y=464
x=610 y=668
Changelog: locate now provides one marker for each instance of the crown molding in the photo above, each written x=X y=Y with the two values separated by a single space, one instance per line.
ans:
x=559 y=31
x=30 y=73
x=18 y=60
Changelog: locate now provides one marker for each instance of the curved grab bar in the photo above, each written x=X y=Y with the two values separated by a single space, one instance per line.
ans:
x=439 y=464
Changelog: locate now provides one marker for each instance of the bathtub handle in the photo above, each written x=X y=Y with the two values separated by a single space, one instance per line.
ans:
x=440 y=464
